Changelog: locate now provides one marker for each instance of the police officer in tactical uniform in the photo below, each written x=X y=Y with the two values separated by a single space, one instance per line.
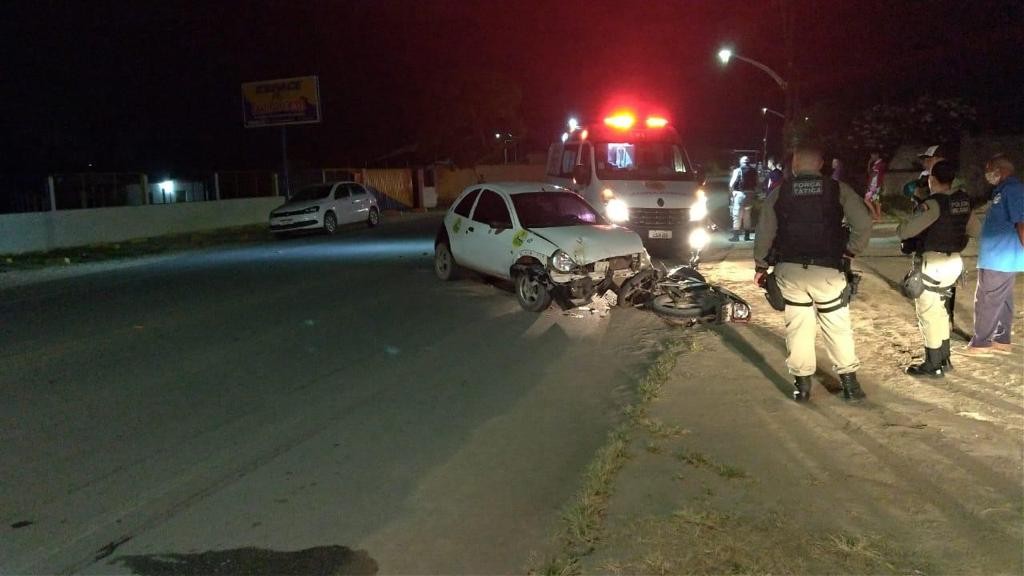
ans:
x=800 y=232
x=936 y=234
x=743 y=184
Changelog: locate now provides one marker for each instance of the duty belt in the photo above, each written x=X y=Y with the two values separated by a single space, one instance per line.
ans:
x=836 y=263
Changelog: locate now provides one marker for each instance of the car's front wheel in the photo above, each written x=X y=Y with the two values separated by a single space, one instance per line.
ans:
x=532 y=294
x=330 y=223
x=374 y=218
x=444 y=262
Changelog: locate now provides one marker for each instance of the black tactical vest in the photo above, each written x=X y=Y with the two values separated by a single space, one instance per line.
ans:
x=810 y=220
x=948 y=233
x=747 y=180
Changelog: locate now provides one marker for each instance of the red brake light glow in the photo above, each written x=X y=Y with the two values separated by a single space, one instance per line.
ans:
x=656 y=122
x=621 y=121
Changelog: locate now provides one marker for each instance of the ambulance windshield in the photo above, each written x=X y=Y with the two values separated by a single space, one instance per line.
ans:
x=641 y=161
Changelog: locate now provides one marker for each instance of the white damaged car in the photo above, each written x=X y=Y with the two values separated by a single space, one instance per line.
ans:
x=547 y=239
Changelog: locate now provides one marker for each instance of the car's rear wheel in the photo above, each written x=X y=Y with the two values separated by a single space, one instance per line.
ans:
x=330 y=223
x=444 y=262
x=374 y=218
x=532 y=294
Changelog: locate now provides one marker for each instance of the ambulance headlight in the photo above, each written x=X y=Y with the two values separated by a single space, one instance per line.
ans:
x=699 y=238
x=617 y=210
x=699 y=208
x=562 y=262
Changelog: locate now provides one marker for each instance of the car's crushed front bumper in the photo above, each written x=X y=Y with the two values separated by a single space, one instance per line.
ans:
x=578 y=287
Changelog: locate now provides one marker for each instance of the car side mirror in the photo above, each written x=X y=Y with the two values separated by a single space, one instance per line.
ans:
x=581 y=175
x=500 y=226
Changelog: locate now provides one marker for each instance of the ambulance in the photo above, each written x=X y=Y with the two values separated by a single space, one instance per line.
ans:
x=636 y=172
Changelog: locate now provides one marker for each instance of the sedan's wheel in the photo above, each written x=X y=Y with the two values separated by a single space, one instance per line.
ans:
x=444 y=263
x=330 y=223
x=374 y=218
x=533 y=295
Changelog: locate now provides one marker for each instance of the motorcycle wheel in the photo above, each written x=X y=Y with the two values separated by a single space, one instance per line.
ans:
x=665 y=305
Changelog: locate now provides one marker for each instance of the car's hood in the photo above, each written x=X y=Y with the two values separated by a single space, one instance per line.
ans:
x=587 y=244
x=296 y=206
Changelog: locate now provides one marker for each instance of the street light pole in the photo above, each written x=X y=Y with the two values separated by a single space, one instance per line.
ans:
x=726 y=54
x=764 y=141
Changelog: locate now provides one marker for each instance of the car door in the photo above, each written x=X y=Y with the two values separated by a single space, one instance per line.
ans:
x=490 y=234
x=343 y=202
x=360 y=203
x=458 y=224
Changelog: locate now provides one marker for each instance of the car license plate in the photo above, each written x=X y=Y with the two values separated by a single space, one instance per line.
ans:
x=659 y=234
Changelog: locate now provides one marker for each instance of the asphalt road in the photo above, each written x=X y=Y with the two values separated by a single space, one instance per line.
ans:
x=316 y=404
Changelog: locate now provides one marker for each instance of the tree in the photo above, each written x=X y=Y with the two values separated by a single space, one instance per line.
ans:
x=928 y=120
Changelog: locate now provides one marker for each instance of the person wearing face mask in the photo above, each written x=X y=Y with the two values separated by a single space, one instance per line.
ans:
x=1000 y=259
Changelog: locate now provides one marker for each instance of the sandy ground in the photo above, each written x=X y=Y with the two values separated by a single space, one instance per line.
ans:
x=923 y=478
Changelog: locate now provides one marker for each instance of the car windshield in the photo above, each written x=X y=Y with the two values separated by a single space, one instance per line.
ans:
x=641 y=161
x=553 y=209
x=310 y=193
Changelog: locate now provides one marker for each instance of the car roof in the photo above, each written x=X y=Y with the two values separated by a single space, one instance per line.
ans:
x=513 y=188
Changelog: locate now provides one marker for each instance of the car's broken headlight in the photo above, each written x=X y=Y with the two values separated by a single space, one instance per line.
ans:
x=562 y=262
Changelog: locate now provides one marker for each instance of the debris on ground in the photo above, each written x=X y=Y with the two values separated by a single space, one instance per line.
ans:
x=599 y=306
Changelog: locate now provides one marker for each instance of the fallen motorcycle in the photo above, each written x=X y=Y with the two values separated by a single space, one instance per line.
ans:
x=683 y=295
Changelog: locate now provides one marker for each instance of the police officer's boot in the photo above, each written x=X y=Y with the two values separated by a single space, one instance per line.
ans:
x=803 y=389
x=851 y=388
x=746 y=235
x=947 y=364
x=932 y=365
x=735 y=236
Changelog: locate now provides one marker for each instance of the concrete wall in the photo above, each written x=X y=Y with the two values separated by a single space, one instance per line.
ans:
x=38 y=231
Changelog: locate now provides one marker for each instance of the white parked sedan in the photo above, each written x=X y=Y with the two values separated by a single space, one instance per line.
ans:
x=325 y=206
x=545 y=238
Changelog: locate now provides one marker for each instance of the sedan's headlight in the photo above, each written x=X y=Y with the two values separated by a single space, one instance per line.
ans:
x=311 y=210
x=562 y=262
x=699 y=208
x=617 y=210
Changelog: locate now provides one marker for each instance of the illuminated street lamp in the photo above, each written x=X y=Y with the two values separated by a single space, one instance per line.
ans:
x=726 y=54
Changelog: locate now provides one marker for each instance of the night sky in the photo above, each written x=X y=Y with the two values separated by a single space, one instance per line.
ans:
x=146 y=85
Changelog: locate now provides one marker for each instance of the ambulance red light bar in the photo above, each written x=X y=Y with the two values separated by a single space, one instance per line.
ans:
x=621 y=121
x=656 y=122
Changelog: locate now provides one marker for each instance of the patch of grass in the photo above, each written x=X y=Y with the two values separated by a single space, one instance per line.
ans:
x=659 y=429
x=855 y=545
x=699 y=460
x=703 y=540
x=700 y=518
x=653 y=448
x=582 y=518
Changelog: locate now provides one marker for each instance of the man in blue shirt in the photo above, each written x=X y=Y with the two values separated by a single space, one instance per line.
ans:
x=1000 y=258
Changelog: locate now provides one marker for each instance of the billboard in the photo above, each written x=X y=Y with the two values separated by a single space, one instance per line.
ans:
x=281 y=102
